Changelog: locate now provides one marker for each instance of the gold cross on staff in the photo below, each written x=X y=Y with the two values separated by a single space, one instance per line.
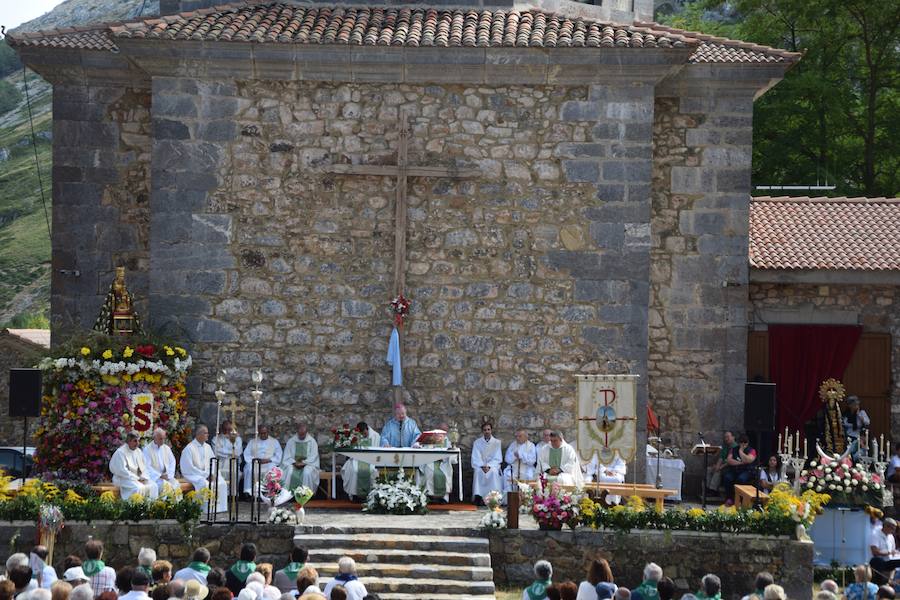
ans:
x=402 y=170
x=233 y=407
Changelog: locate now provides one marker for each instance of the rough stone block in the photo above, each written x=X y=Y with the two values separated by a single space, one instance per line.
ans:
x=578 y=110
x=577 y=171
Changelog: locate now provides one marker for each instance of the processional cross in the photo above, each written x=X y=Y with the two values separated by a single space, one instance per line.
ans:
x=234 y=408
x=402 y=170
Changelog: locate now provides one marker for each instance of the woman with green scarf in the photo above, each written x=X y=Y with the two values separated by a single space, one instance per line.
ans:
x=236 y=576
x=710 y=588
x=543 y=573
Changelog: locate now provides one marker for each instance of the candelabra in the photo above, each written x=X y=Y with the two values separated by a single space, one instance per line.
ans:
x=880 y=468
x=785 y=459
x=797 y=463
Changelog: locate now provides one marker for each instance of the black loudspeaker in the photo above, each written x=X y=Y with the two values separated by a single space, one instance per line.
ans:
x=759 y=406
x=24 y=392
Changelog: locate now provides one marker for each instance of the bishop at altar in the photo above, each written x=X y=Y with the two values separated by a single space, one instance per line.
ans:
x=129 y=472
x=357 y=476
x=267 y=450
x=301 y=460
x=160 y=461
x=227 y=445
x=558 y=461
x=195 y=465
x=400 y=431
x=437 y=476
x=487 y=455
x=520 y=458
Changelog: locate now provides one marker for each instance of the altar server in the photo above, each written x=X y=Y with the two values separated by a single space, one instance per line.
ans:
x=264 y=448
x=358 y=477
x=129 y=471
x=558 y=461
x=438 y=475
x=611 y=471
x=301 y=459
x=400 y=431
x=521 y=457
x=487 y=455
x=160 y=460
x=195 y=467
x=227 y=445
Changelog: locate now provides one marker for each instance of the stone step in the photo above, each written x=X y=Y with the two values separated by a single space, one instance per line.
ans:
x=378 y=541
x=411 y=571
x=364 y=557
x=423 y=588
x=392 y=596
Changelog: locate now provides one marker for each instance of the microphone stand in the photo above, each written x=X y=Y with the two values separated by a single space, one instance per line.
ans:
x=705 y=466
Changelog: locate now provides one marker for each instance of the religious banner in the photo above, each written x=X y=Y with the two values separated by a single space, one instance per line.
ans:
x=607 y=417
x=142 y=413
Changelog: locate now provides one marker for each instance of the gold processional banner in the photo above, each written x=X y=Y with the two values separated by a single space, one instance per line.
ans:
x=607 y=417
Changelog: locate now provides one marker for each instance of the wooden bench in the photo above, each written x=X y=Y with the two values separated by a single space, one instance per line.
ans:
x=107 y=486
x=641 y=490
x=326 y=478
x=745 y=496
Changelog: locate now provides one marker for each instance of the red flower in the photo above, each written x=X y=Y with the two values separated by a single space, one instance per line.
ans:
x=147 y=351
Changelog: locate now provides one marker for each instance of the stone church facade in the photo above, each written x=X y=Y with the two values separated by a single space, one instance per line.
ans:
x=606 y=230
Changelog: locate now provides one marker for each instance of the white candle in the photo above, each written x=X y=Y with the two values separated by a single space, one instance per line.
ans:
x=805 y=451
x=779 y=443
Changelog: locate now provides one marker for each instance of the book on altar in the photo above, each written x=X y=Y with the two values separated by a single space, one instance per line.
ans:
x=433 y=437
x=704 y=448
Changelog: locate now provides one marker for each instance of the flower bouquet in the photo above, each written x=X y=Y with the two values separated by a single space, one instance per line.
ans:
x=302 y=495
x=346 y=436
x=493 y=500
x=272 y=484
x=281 y=516
x=493 y=519
x=552 y=507
x=399 y=497
x=844 y=481
x=50 y=523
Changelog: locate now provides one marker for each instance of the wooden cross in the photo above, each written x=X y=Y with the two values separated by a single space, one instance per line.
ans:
x=402 y=170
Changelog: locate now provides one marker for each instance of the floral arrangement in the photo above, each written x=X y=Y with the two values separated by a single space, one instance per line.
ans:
x=400 y=308
x=493 y=500
x=844 y=481
x=281 y=516
x=346 y=436
x=398 y=497
x=552 y=507
x=780 y=516
x=272 y=483
x=86 y=409
x=493 y=519
x=302 y=495
x=50 y=519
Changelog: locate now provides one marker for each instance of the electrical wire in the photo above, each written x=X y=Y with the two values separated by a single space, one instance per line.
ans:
x=37 y=164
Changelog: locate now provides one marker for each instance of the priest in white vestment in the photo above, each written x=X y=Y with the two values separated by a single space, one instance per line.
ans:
x=487 y=455
x=400 y=431
x=359 y=477
x=559 y=462
x=129 y=471
x=301 y=460
x=520 y=458
x=611 y=472
x=227 y=445
x=437 y=476
x=160 y=461
x=195 y=467
x=545 y=440
x=267 y=450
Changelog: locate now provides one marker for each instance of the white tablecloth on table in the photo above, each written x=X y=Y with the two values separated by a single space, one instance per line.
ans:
x=671 y=470
x=843 y=536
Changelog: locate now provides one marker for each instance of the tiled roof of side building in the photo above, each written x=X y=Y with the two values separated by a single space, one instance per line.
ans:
x=92 y=37
x=715 y=49
x=860 y=234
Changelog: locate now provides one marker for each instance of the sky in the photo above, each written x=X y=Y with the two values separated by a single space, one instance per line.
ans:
x=15 y=12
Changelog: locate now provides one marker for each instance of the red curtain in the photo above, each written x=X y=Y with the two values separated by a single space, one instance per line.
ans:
x=801 y=357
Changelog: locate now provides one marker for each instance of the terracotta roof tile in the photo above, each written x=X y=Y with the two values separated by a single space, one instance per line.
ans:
x=395 y=26
x=94 y=37
x=715 y=49
x=825 y=233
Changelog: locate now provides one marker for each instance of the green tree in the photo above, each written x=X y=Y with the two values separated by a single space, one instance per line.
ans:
x=9 y=60
x=837 y=111
x=10 y=96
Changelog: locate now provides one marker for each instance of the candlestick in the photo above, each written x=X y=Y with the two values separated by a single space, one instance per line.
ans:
x=881 y=445
x=797 y=444
x=805 y=450
x=779 y=444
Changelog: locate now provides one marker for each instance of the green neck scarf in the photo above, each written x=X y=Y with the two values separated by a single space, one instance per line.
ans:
x=147 y=571
x=242 y=569
x=291 y=570
x=92 y=567
x=702 y=596
x=538 y=590
x=648 y=590
x=200 y=567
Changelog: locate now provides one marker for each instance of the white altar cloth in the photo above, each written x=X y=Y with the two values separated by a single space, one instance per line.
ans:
x=670 y=469
x=399 y=457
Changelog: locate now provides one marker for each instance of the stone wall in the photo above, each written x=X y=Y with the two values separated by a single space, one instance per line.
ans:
x=521 y=277
x=684 y=556
x=101 y=158
x=123 y=541
x=699 y=272
x=877 y=306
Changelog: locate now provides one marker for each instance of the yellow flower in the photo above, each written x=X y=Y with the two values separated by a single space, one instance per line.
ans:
x=127 y=352
x=169 y=351
x=107 y=497
x=73 y=497
x=107 y=354
x=618 y=508
x=728 y=510
x=136 y=498
x=697 y=512
x=636 y=503
x=181 y=351
x=85 y=351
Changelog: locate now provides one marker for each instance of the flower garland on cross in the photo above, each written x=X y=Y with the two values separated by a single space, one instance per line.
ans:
x=400 y=308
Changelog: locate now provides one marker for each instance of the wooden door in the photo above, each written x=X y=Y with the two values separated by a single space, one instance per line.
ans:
x=868 y=375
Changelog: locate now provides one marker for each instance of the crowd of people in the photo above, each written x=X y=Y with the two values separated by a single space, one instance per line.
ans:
x=87 y=577
x=599 y=584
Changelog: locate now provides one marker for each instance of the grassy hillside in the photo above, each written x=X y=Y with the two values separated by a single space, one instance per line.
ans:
x=24 y=239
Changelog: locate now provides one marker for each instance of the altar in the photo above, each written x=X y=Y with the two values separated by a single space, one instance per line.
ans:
x=842 y=535
x=400 y=457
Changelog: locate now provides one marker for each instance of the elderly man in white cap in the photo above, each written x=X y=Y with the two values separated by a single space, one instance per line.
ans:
x=347 y=578
x=75 y=576
x=160 y=461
